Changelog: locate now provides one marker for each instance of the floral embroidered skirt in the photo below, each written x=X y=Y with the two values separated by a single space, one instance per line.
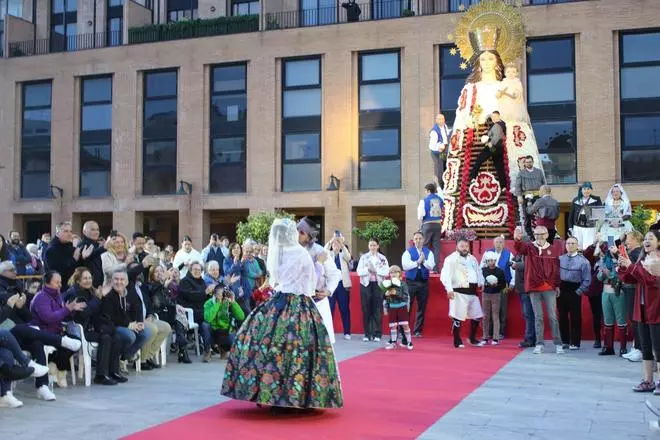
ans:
x=282 y=356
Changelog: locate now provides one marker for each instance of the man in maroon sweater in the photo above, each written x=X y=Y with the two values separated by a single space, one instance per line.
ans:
x=541 y=281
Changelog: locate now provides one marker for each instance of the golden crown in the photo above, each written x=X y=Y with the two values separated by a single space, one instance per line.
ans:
x=484 y=39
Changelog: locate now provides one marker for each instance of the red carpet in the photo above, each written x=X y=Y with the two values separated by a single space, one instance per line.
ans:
x=387 y=395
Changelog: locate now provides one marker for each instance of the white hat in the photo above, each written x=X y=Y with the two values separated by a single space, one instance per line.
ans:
x=490 y=255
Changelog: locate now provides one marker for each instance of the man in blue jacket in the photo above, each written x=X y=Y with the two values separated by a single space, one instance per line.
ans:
x=430 y=212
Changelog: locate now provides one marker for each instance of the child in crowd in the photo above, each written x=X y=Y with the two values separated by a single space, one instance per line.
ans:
x=493 y=288
x=262 y=294
x=396 y=306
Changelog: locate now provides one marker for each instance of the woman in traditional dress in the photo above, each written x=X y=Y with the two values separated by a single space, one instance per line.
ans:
x=580 y=224
x=617 y=213
x=282 y=356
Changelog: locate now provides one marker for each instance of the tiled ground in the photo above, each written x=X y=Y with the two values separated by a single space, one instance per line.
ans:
x=577 y=396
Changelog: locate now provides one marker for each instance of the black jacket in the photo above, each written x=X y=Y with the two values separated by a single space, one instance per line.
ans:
x=115 y=309
x=93 y=262
x=59 y=257
x=9 y=288
x=576 y=207
x=161 y=301
x=192 y=293
x=136 y=311
x=90 y=318
x=501 y=280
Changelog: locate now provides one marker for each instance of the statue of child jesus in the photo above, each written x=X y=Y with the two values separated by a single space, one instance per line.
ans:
x=510 y=96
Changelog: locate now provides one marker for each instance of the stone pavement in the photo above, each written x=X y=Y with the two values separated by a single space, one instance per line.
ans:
x=575 y=396
x=578 y=396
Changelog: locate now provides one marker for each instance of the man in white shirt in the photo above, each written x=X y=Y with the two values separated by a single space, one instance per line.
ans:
x=417 y=261
x=461 y=276
x=438 y=142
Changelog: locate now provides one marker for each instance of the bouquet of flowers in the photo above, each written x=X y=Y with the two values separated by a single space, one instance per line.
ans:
x=461 y=234
x=262 y=294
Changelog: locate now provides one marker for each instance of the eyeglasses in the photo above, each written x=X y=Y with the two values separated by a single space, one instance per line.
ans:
x=540 y=234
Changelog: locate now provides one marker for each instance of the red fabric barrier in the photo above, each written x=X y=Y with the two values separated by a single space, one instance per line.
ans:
x=437 y=319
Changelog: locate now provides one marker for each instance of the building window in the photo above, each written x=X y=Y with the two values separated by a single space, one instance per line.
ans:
x=381 y=9
x=178 y=10
x=461 y=5
x=380 y=120
x=35 y=140
x=317 y=12
x=639 y=63
x=551 y=103
x=115 y=22
x=95 y=136
x=228 y=129
x=301 y=124
x=63 y=22
x=452 y=80
x=245 y=7
x=159 y=133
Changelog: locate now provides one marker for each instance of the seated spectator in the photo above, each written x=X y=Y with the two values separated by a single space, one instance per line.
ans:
x=186 y=256
x=140 y=311
x=115 y=258
x=48 y=311
x=219 y=311
x=109 y=343
x=18 y=253
x=212 y=275
x=167 y=310
x=14 y=365
x=36 y=267
x=193 y=293
x=172 y=282
x=14 y=313
x=4 y=250
x=116 y=309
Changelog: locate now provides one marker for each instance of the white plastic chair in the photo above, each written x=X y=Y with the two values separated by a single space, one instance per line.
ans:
x=84 y=358
x=162 y=356
x=192 y=325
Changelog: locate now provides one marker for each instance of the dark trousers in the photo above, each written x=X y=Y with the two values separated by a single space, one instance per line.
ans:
x=371 y=299
x=107 y=353
x=432 y=233
x=438 y=167
x=569 y=304
x=596 y=304
x=629 y=292
x=649 y=335
x=342 y=296
x=530 y=221
x=33 y=340
x=528 y=316
x=223 y=339
x=180 y=331
x=498 y=162
x=420 y=291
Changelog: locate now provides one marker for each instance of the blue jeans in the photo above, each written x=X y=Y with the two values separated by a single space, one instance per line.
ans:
x=528 y=315
x=206 y=334
x=131 y=341
x=6 y=357
x=342 y=296
x=9 y=342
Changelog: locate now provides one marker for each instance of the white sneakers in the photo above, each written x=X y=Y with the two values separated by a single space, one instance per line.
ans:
x=44 y=393
x=347 y=337
x=39 y=370
x=633 y=355
x=365 y=339
x=573 y=347
x=70 y=343
x=376 y=339
x=559 y=349
x=538 y=349
x=9 y=401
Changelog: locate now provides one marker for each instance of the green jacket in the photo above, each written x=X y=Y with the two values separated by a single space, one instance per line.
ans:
x=218 y=313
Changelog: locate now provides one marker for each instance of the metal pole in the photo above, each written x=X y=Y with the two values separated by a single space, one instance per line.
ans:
x=94 y=26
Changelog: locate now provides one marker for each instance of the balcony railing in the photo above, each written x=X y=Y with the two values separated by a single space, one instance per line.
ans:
x=193 y=29
x=64 y=43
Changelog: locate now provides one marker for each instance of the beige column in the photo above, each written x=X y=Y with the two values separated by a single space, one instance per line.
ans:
x=126 y=137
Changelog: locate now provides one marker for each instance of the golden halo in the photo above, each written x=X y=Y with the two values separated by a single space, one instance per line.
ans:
x=492 y=14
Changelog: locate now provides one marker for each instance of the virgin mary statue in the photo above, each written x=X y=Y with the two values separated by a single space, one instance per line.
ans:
x=488 y=35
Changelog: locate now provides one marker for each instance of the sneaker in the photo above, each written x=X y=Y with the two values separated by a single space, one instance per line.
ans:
x=634 y=355
x=418 y=334
x=61 y=379
x=44 y=393
x=390 y=346
x=559 y=349
x=538 y=349
x=459 y=345
x=644 y=387
x=410 y=346
x=573 y=347
x=347 y=337
x=71 y=344
x=365 y=339
x=39 y=370
x=525 y=344
x=494 y=342
x=9 y=401
x=376 y=339
x=565 y=346
x=207 y=357
x=483 y=342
